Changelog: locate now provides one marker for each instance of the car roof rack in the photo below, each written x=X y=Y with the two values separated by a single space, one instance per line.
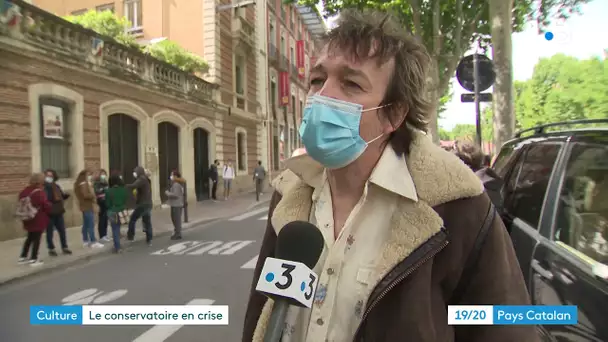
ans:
x=541 y=128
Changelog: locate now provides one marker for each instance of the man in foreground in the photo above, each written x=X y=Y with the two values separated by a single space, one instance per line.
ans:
x=399 y=215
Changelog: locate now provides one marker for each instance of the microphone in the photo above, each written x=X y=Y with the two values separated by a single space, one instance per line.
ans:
x=288 y=278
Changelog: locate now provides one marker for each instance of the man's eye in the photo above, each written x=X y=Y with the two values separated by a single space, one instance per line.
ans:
x=317 y=81
x=352 y=85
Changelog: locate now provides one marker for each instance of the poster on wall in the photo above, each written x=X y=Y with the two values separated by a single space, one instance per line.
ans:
x=52 y=121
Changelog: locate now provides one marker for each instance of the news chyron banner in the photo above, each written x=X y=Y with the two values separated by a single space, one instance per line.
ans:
x=129 y=315
x=512 y=315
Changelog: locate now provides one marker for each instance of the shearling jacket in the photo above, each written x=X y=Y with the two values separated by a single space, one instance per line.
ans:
x=423 y=260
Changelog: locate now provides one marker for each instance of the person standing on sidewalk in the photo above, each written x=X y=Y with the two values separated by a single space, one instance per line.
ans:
x=56 y=197
x=228 y=176
x=259 y=174
x=143 y=203
x=37 y=224
x=100 y=186
x=176 y=202
x=115 y=200
x=86 y=201
x=213 y=175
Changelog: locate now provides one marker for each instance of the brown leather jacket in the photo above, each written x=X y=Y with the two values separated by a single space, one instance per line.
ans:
x=421 y=269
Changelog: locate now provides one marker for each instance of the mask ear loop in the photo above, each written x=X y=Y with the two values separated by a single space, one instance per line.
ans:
x=381 y=134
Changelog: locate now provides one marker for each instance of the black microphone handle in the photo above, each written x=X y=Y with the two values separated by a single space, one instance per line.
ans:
x=274 y=331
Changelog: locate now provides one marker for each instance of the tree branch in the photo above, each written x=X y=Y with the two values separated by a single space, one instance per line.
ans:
x=415 y=4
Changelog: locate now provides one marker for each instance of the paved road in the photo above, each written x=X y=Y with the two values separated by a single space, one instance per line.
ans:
x=213 y=262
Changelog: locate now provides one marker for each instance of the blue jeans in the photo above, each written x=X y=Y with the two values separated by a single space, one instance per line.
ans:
x=146 y=217
x=88 y=226
x=116 y=233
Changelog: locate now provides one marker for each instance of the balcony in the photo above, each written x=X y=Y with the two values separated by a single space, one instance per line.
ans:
x=243 y=34
x=74 y=44
x=273 y=52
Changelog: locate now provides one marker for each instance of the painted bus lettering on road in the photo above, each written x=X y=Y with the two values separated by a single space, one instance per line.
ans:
x=204 y=247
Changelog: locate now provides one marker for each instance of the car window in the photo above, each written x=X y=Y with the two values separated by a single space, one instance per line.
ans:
x=582 y=216
x=527 y=186
x=502 y=160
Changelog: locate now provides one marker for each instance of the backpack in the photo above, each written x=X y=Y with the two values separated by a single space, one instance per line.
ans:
x=25 y=210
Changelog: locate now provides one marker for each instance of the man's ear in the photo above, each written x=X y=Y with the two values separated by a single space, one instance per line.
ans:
x=393 y=116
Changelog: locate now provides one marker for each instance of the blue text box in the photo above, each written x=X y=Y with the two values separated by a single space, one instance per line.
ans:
x=55 y=315
x=535 y=314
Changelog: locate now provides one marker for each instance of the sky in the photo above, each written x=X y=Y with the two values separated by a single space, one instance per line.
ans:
x=582 y=36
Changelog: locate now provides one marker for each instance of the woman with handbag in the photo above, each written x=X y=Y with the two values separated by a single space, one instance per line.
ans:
x=116 y=200
x=56 y=196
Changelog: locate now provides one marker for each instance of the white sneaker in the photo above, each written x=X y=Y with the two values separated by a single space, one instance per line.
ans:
x=23 y=261
x=36 y=263
x=105 y=239
x=96 y=245
x=86 y=244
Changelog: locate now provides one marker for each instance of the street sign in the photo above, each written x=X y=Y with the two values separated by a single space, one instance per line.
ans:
x=238 y=3
x=483 y=97
x=465 y=72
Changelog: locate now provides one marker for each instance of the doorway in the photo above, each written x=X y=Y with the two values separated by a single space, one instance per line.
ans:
x=123 y=149
x=201 y=164
x=168 y=155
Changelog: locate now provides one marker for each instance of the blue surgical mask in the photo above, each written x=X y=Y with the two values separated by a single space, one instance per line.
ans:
x=330 y=131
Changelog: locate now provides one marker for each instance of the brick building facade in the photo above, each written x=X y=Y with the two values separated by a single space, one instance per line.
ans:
x=98 y=88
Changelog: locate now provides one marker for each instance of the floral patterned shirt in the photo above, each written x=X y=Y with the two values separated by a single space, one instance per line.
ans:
x=348 y=262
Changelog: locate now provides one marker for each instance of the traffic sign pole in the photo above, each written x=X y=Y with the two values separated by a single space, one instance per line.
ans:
x=477 y=102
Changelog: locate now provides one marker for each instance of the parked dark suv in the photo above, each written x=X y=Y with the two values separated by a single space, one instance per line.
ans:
x=555 y=207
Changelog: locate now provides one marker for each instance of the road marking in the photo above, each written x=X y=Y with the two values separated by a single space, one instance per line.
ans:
x=204 y=247
x=93 y=296
x=249 y=214
x=160 y=333
x=263 y=218
x=251 y=263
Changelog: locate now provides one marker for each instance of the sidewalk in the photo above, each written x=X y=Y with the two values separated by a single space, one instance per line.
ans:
x=198 y=213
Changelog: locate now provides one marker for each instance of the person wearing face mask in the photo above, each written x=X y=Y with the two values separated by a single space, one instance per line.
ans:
x=83 y=189
x=143 y=202
x=228 y=175
x=100 y=186
x=176 y=195
x=56 y=197
x=213 y=176
x=407 y=226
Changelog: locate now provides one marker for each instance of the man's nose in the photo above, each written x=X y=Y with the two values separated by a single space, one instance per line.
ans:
x=331 y=89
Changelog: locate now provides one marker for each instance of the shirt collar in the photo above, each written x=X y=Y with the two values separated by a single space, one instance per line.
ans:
x=391 y=173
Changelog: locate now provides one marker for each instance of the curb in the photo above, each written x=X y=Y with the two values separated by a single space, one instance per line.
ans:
x=103 y=251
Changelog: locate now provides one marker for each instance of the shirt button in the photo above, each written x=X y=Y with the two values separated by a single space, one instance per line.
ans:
x=320 y=321
x=330 y=271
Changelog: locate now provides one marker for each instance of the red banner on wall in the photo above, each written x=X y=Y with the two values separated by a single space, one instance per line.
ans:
x=300 y=59
x=284 y=87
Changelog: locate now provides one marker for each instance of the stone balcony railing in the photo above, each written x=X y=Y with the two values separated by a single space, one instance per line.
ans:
x=74 y=44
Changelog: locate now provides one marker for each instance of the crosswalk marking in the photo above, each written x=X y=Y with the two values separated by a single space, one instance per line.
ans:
x=248 y=214
x=263 y=218
x=251 y=263
x=160 y=333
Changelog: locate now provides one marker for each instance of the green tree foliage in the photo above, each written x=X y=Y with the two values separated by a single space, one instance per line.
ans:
x=561 y=88
x=174 y=54
x=449 y=27
x=108 y=24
